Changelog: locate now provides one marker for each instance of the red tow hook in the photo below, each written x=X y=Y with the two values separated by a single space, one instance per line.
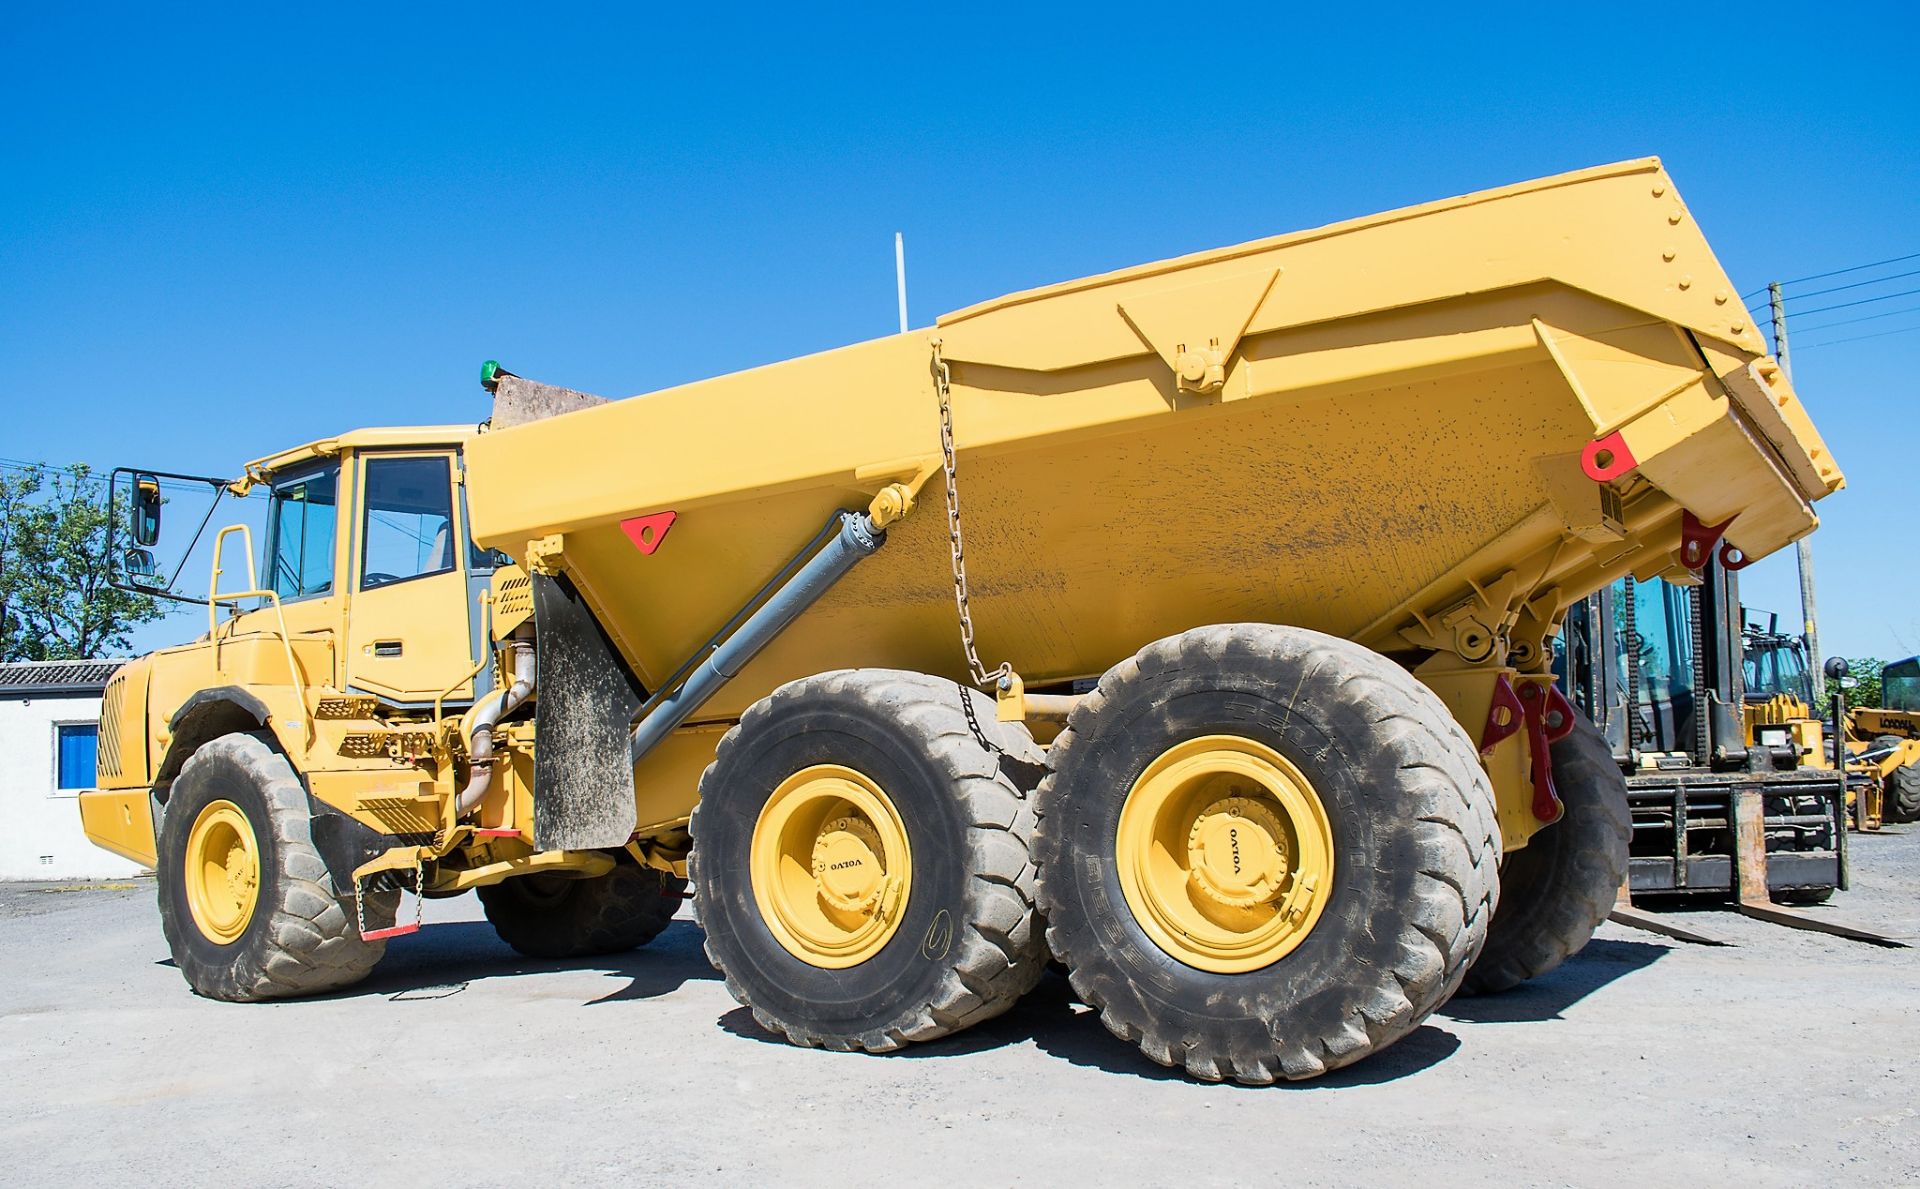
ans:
x=1549 y=720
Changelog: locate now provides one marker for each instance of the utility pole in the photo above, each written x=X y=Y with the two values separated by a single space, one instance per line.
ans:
x=1804 y=549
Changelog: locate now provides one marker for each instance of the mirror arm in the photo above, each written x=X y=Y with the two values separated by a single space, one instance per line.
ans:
x=220 y=488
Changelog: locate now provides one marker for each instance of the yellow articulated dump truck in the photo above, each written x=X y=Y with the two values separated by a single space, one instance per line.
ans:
x=1188 y=624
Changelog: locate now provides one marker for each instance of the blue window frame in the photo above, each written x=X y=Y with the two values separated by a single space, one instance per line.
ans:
x=78 y=744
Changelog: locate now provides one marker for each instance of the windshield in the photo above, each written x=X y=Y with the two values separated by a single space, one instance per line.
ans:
x=1900 y=685
x=1660 y=648
x=300 y=533
x=1777 y=665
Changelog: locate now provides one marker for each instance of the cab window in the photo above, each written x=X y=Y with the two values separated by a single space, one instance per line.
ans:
x=300 y=531
x=409 y=520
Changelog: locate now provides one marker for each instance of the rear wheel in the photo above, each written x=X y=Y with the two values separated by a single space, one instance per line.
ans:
x=1900 y=801
x=1556 y=890
x=246 y=902
x=1265 y=852
x=860 y=861
x=553 y=916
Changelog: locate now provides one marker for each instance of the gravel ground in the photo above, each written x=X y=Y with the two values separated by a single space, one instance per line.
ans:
x=1787 y=1058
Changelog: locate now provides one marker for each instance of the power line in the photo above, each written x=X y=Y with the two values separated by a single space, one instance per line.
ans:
x=1820 y=276
x=1862 y=318
x=1847 y=305
x=1856 y=338
x=1859 y=284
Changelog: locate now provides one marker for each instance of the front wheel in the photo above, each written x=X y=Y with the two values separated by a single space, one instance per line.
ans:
x=1900 y=801
x=246 y=902
x=1264 y=852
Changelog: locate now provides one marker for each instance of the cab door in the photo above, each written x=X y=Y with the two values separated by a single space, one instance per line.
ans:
x=408 y=622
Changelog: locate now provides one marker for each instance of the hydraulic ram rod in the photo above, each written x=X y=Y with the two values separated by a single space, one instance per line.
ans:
x=857 y=540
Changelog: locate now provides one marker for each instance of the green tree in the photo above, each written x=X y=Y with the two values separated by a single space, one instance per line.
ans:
x=56 y=600
x=1866 y=670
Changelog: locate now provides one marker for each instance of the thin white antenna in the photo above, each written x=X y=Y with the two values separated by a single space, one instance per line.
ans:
x=900 y=276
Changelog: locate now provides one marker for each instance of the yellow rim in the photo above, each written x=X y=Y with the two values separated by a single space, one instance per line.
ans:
x=222 y=871
x=1225 y=854
x=830 y=866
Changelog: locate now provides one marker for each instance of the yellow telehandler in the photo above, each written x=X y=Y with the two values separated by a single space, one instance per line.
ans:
x=1882 y=742
x=1883 y=746
x=1230 y=690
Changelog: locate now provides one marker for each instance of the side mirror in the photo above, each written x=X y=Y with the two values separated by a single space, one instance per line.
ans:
x=138 y=566
x=1836 y=667
x=144 y=513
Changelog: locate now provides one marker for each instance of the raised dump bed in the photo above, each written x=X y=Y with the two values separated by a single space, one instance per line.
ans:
x=1267 y=544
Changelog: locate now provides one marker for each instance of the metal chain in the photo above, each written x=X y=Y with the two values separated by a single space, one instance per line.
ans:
x=973 y=722
x=981 y=677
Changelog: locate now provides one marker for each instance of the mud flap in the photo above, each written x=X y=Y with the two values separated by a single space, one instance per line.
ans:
x=582 y=772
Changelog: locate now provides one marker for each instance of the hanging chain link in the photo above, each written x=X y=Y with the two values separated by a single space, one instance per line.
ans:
x=981 y=676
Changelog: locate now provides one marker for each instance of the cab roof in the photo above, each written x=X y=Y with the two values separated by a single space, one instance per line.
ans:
x=379 y=438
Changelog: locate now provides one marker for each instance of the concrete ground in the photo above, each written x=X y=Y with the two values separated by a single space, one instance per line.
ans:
x=1789 y=1058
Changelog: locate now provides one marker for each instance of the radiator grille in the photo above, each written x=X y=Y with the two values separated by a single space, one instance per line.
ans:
x=108 y=756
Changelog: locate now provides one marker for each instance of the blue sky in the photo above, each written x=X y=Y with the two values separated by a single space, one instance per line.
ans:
x=224 y=231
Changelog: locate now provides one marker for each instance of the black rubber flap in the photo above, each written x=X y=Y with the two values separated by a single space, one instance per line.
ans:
x=584 y=699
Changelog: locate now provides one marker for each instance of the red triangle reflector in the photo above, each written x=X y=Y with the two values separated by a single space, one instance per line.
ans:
x=647 y=532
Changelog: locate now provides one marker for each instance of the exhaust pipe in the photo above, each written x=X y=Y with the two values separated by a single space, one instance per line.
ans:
x=480 y=737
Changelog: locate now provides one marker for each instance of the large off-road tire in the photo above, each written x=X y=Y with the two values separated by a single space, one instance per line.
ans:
x=1556 y=890
x=246 y=902
x=552 y=916
x=1258 y=725
x=1900 y=795
x=861 y=862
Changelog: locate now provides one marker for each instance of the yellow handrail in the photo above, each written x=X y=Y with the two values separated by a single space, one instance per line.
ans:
x=215 y=597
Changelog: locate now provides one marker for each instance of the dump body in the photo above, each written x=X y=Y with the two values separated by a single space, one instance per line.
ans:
x=1397 y=432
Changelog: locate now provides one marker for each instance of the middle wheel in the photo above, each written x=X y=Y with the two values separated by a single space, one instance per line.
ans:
x=861 y=862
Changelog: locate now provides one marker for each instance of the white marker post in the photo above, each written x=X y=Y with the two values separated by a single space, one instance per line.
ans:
x=900 y=276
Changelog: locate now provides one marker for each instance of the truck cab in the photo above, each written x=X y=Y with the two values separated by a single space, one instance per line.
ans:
x=350 y=621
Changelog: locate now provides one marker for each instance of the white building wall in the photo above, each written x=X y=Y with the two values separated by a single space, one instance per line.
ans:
x=40 y=834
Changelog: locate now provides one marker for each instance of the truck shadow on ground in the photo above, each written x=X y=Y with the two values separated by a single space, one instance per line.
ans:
x=1546 y=997
x=443 y=957
x=1059 y=1025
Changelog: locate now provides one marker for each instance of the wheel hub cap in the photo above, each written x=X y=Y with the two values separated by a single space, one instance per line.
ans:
x=222 y=872
x=1225 y=854
x=848 y=866
x=830 y=866
x=1237 y=853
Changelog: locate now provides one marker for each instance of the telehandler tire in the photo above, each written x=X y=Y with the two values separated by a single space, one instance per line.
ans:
x=1264 y=852
x=246 y=902
x=551 y=916
x=1900 y=801
x=861 y=861
x=1556 y=890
